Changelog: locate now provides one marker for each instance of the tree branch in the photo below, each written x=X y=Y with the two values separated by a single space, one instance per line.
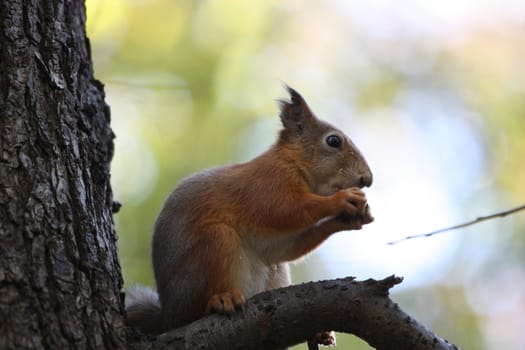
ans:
x=288 y=316
x=465 y=224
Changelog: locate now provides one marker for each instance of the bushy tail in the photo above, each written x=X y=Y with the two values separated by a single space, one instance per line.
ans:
x=143 y=310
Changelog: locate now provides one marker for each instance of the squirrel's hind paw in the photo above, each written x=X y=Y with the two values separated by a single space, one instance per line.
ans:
x=226 y=303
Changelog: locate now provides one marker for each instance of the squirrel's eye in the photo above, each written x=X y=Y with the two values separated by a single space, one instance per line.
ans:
x=333 y=141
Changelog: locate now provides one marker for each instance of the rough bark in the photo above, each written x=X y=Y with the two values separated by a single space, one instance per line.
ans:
x=289 y=316
x=59 y=273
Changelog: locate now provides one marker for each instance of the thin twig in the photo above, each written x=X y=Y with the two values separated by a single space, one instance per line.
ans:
x=465 y=224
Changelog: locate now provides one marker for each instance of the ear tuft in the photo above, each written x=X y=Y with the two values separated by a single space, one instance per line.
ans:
x=297 y=99
x=295 y=114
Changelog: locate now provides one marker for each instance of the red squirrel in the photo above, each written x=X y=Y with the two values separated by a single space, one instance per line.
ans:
x=227 y=233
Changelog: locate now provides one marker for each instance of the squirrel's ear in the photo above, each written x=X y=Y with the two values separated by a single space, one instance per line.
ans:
x=295 y=114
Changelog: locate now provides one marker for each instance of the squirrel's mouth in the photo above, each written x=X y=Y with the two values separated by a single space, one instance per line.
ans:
x=329 y=190
x=339 y=186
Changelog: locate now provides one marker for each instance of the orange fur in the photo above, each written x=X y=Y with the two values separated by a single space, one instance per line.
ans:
x=226 y=233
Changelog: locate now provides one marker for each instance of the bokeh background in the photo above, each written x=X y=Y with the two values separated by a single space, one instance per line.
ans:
x=433 y=92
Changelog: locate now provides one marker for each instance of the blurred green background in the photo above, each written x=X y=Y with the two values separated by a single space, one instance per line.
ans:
x=433 y=92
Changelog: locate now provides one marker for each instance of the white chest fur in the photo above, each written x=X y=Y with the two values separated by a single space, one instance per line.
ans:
x=260 y=266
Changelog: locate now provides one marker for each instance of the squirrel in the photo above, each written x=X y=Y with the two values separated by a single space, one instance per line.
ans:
x=227 y=233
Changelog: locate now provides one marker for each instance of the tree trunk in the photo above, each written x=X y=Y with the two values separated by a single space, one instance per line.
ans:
x=60 y=277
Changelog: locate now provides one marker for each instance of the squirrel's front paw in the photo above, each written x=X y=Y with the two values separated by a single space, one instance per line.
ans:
x=352 y=200
x=225 y=303
x=366 y=217
x=354 y=222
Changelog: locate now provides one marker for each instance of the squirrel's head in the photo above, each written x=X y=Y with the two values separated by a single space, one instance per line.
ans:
x=326 y=157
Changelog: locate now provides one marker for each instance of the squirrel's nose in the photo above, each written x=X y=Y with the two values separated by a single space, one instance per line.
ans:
x=365 y=180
